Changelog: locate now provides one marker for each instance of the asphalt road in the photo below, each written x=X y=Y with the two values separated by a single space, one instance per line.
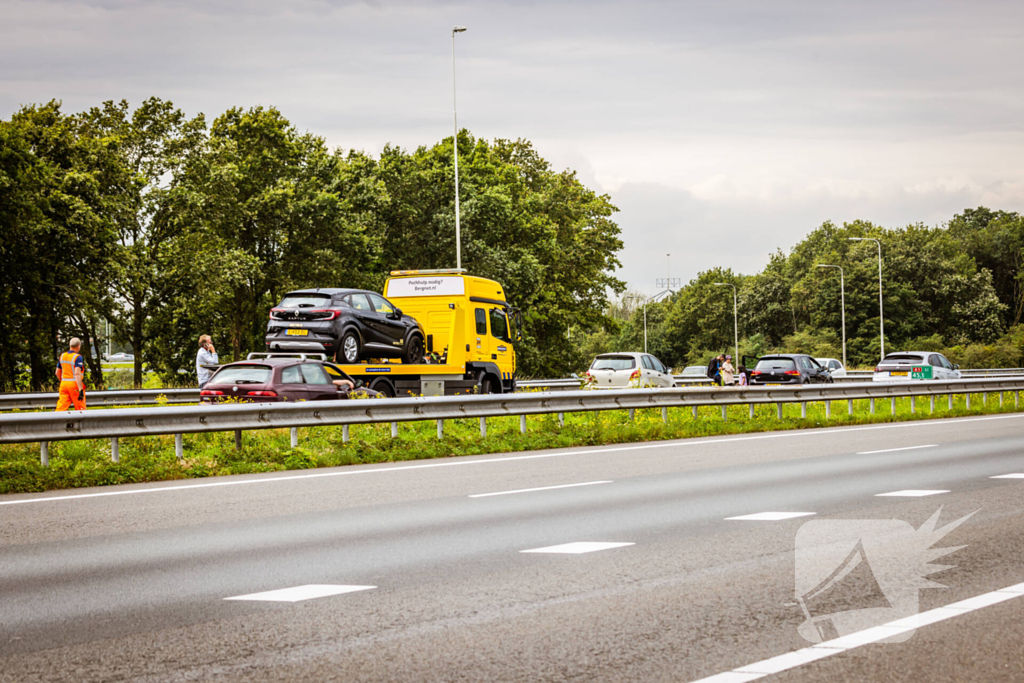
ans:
x=131 y=583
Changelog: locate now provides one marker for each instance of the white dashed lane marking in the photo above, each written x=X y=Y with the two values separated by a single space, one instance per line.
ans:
x=770 y=516
x=577 y=548
x=911 y=493
x=791 y=660
x=893 y=450
x=299 y=593
x=541 y=488
x=1015 y=475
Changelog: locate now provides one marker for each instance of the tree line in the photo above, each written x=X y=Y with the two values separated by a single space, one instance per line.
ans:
x=957 y=288
x=166 y=228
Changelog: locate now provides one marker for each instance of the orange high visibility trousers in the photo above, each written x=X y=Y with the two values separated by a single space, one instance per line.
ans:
x=69 y=397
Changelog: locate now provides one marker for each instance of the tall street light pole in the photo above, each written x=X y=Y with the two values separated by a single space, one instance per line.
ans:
x=842 y=296
x=647 y=301
x=881 y=317
x=455 y=113
x=735 y=321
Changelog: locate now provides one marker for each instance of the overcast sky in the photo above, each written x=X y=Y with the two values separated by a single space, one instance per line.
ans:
x=722 y=130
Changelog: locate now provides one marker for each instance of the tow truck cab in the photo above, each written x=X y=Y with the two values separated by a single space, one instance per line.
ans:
x=470 y=331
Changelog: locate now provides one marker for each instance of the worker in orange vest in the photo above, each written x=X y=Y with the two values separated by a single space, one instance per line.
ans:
x=71 y=372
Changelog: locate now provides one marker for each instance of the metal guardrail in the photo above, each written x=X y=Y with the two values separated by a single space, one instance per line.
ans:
x=134 y=422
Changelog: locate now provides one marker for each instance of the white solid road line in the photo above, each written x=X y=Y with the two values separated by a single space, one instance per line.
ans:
x=770 y=516
x=1015 y=475
x=791 y=660
x=298 y=593
x=541 y=488
x=346 y=472
x=893 y=450
x=577 y=548
x=911 y=493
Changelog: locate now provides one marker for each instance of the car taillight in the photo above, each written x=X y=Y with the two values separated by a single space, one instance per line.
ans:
x=635 y=375
x=209 y=392
x=756 y=372
x=878 y=368
x=792 y=372
x=273 y=311
x=263 y=393
x=331 y=314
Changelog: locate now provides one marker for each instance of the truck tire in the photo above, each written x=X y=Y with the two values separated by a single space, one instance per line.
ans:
x=489 y=385
x=348 y=348
x=413 y=353
x=383 y=387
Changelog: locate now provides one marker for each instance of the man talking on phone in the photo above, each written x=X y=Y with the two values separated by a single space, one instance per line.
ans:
x=207 y=356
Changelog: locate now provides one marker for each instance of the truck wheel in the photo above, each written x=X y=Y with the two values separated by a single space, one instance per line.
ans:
x=383 y=387
x=488 y=385
x=413 y=353
x=348 y=349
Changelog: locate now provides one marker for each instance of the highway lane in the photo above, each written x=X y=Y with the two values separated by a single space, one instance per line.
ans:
x=133 y=586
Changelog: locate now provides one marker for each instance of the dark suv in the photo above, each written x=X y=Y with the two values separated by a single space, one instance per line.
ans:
x=349 y=324
x=789 y=368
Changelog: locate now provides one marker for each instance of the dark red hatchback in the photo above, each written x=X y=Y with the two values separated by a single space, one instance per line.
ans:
x=272 y=380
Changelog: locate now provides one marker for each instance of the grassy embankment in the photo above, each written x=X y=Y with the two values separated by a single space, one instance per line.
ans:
x=87 y=463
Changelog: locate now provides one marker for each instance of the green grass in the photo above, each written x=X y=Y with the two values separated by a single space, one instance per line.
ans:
x=87 y=463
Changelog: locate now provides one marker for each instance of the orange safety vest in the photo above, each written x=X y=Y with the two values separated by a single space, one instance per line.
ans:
x=67 y=366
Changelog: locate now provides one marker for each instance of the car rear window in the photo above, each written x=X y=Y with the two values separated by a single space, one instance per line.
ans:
x=614 y=363
x=903 y=358
x=304 y=301
x=775 y=364
x=242 y=374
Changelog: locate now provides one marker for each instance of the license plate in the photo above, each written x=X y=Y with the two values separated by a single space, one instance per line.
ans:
x=303 y=333
x=773 y=385
x=901 y=373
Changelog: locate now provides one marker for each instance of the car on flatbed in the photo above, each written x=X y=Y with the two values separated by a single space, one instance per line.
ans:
x=908 y=366
x=350 y=325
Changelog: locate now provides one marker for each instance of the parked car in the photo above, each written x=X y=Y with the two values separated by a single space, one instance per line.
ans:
x=349 y=325
x=621 y=370
x=695 y=371
x=908 y=366
x=279 y=378
x=788 y=368
x=834 y=367
x=120 y=357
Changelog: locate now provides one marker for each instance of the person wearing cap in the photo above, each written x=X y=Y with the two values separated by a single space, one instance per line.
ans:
x=727 y=370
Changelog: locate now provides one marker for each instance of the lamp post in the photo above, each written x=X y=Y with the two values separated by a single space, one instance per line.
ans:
x=842 y=295
x=735 y=320
x=881 y=318
x=455 y=140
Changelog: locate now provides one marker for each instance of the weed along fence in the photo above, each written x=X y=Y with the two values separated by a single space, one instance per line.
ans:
x=115 y=424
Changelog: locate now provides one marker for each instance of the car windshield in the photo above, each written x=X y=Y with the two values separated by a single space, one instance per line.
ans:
x=614 y=363
x=902 y=358
x=304 y=300
x=775 y=364
x=242 y=374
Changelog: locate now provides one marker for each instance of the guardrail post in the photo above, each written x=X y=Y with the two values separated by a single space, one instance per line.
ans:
x=1000 y=399
x=892 y=405
x=632 y=414
x=931 y=407
x=913 y=404
x=664 y=414
x=751 y=411
x=778 y=410
x=238 y=439
x=1016 y=399
x=483 y=426
x=561 y=419
x=984 y=398
x=295 y=436
x=394 y=430
x=44 y=453
x=803 y=409
x=115 y=450
x=522 y=423
x=440 y=429
x=849 y=406
x=872 y=406
x=723 y=414
x=179 y=446
x=344 y=433
x=695 y=411
x=968 y=396
x=828 y=409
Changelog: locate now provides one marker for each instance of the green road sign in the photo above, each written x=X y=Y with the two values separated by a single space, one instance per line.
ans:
x=921 y=372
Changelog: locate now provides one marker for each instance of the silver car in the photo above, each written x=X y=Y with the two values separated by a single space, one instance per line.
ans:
x=834 y=367
x=623 y=370
x=909 y=366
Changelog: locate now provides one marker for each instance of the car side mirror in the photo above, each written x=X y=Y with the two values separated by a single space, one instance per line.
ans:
x=956 y=367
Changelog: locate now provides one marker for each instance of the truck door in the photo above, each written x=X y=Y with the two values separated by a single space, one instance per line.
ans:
x=481 y=340
x=501 y=341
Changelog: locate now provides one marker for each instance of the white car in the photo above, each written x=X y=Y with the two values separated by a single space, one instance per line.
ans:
x=834 y=367
x=908 y=366
x=623 y=370
x=695 y=371
x=120 y=357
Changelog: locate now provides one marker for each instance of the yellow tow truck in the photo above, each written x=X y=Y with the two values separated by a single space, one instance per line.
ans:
x=470 y=335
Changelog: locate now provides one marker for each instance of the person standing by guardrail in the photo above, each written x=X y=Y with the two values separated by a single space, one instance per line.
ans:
x=207 y=355
x=727 y=371
x=71 y=373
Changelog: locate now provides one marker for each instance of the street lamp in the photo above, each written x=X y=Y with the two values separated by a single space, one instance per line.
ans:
x=842 y=294
x=455 y=140
x=735 y=320
x=881 y=318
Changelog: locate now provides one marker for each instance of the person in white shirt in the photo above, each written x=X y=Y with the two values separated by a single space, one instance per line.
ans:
x=207 y=356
